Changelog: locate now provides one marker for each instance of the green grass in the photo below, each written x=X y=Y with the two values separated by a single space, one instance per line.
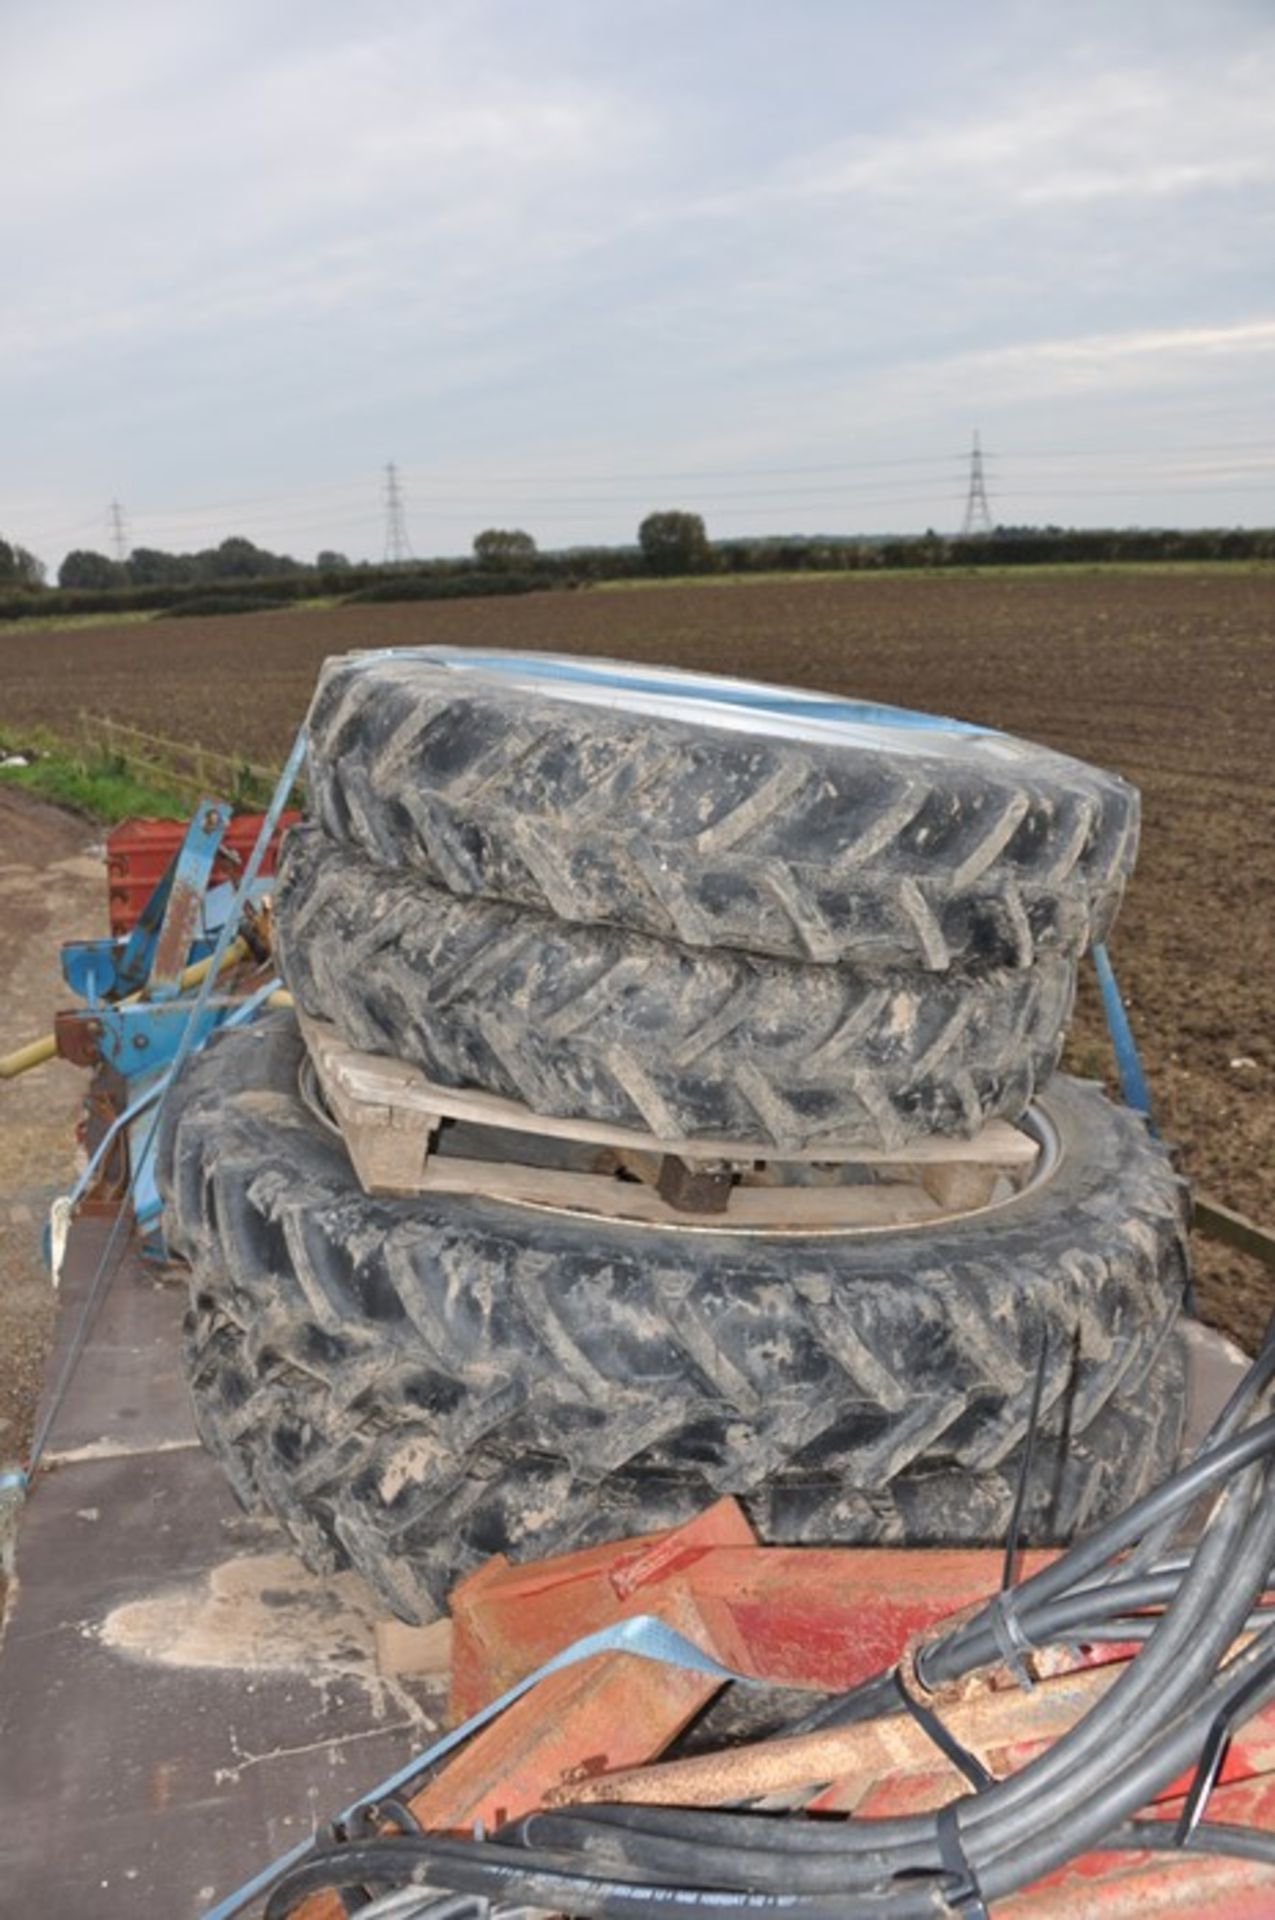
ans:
x=321 y=603
x=645 y=582
x=37 y=623
x=99 y=786
x=72 y=622
x=1050 y=569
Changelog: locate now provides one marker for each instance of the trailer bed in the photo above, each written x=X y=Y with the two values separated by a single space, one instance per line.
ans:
x=180 y=1701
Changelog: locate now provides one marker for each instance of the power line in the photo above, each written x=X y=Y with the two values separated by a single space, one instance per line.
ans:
x=978 y=514
x=398 y=547
x=331 y=512
x=170 y=517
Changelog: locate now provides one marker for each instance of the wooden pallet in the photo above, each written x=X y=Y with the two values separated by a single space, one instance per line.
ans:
x=388 y=1113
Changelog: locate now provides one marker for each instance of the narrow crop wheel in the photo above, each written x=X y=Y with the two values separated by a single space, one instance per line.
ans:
x=600 y=1023
x=719 y=813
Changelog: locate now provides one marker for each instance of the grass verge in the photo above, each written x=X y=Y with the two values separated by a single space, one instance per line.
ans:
x=99 y=786
x=50 y=623
x=1044 y=569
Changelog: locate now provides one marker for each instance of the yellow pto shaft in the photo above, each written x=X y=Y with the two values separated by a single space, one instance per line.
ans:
x=36 y=1052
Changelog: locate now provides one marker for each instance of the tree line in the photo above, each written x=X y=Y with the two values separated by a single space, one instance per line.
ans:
x=239 y=574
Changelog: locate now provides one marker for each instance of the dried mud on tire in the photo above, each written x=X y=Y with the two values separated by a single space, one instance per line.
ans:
x=600 y=1023
x=413 y=1385
x=976 y=851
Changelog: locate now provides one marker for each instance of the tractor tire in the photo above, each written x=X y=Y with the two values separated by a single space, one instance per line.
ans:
x=800 y=833
x=412 y=1385
x=598 y=1023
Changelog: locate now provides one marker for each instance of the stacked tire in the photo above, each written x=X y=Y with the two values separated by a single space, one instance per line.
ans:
x=710 y=911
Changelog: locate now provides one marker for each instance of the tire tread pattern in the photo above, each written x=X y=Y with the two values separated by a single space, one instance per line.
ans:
x=413 y=1385
x=602 y=1024
x=967 y=857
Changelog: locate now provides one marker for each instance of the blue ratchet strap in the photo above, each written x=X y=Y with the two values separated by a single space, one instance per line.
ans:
x=230 y=926
x=644 y=1635
x=1133 y=1082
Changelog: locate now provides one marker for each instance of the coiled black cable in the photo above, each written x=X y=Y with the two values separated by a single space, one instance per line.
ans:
x=1183 y=1684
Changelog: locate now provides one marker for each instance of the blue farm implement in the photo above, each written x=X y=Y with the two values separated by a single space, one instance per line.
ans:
x=143 y=1000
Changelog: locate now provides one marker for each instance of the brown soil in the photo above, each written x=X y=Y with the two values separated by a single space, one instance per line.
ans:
x=1168 y=677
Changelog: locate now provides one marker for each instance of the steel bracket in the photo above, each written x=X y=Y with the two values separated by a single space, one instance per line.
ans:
x=171 y=928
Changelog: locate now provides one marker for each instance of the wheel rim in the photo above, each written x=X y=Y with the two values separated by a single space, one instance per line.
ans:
x=731 y=705
x=1036 y=1123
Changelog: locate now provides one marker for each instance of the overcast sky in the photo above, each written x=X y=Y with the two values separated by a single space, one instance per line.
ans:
x=566 y=260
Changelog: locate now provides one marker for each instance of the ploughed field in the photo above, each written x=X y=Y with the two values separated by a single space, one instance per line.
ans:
x=1168 y=677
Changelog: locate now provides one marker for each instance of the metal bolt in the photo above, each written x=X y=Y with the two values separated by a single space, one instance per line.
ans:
x=140 y=1041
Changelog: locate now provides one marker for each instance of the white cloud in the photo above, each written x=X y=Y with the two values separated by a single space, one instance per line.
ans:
x=588 y=242
x=1165 y=357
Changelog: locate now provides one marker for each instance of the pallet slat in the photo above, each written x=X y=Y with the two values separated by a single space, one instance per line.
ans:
x=598 y=1193
x=373 y=1081
x=388 y=1111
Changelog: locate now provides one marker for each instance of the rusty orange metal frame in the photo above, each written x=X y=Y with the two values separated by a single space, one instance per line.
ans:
x=818 y=1618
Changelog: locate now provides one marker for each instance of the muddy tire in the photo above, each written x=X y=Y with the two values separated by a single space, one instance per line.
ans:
x=598 y=1023
x=813 y=835
x=413 y=1385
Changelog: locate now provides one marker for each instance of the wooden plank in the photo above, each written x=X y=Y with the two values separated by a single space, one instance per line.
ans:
x=389 y=1146
x=1218 y=1222
x=959 y=1187
x=796 y=1208
x=379 y=1082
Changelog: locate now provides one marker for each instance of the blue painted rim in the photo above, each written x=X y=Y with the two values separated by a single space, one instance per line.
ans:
x=754 y=696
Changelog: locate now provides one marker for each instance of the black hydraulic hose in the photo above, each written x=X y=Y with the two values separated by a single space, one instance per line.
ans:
x=1167 y=1666
x=1116 y=1612
x=704 y=1859
x=1044 y=1847
x=1057 y=1619
x=620 y=1863
x=1256 y=1378
x=945 y=1658
x=1085 y=1563
x=1193 y=1634
x=1138 y=1627
x=512 y=1877
x=1161 y=1836
x=1065 y=1775
x=703 y=1856
x=1187 y=1642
